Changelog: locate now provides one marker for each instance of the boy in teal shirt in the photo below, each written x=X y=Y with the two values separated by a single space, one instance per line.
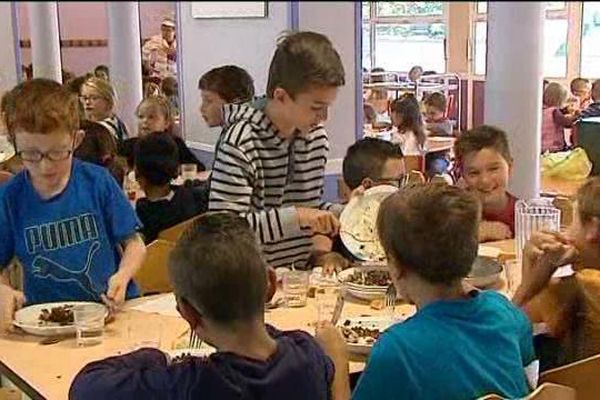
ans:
x=461 y=343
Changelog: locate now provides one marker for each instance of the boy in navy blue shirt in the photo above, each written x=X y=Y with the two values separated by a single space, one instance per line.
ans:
x=63 y=219
x=461 y=343
x=220 y=283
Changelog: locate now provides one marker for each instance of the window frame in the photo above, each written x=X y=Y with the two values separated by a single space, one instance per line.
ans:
x=373 y=20
x=566 y=13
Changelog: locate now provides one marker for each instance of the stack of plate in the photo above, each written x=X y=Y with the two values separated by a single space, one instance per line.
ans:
x=365 y=292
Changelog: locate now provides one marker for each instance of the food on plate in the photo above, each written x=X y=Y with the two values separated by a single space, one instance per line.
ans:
x=370 y=278
x=358 y=334
x=62 y=315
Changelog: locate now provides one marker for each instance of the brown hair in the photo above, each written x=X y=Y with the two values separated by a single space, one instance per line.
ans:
x=99 y=147
x=577 y=83
x=432 y=230
x=232 y=83
x=41 y=106
x=587 y=199
x=555 y=95
x=366 y=158
x=596 y=90
x=407 y=107
x=482 y=137
x=436 y=100
x=219 y=254
x=303 y=59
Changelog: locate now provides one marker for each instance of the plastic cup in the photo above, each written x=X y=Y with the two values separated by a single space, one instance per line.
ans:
x=89 y=325
x=295 y=288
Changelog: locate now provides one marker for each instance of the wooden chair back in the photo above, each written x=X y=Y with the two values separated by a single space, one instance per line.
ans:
x=414 y=163
x=583 y=376
x=173 y=233
x=153 y=276
x=546 y=391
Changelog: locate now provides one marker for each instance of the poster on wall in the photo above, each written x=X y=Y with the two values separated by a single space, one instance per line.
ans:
x=229 y=9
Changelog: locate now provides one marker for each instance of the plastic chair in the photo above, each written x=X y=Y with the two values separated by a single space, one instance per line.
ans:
x=173 y=233
x=153 y=277
x=547 y=391
x=583 y=376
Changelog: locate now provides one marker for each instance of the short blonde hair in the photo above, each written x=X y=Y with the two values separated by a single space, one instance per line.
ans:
x=555 y=95
x=104 y=89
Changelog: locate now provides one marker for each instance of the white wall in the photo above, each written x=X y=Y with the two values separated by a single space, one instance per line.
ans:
x=208 y=43
x=336 y=20
x=8 y=64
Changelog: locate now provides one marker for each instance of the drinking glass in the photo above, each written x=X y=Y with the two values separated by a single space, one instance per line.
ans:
x=189 y=172
x=295 y=288
x=531 y=216
x=89 y=325
x=145 y=332
x=326 y=295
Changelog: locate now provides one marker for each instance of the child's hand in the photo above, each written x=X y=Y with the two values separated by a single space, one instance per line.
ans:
x=117 y=288
x=319 y=221
x=10 y=301
x=543 y=254
x=332 y=341
x=493 y=230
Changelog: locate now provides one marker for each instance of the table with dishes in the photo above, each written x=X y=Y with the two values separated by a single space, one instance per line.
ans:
x=44 y=368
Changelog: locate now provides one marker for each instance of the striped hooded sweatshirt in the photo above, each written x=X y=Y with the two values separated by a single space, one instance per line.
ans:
x=263 y=177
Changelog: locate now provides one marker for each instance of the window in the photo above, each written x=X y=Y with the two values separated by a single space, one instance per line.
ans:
x=555 y=39
x=400 y=34
x=590 y=40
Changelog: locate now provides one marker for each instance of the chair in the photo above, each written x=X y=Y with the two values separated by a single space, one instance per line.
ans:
x=565 y=205
x=173 y=233
x=414 y=163
x=583 y=376
x=547 y=391
x=153 y=276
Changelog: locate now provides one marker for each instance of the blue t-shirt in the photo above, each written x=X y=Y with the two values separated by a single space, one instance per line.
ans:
x=67 y=244
x=457 y=349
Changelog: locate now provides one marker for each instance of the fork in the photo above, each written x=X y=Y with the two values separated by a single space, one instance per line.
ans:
x=195 y=341
x=390 y=299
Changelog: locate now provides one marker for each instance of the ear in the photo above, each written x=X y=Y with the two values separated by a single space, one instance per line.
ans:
x=189 y=313
x=79 y=135
x=367 y=183
x=271 y=284
x=280 y=95
x=592 y=230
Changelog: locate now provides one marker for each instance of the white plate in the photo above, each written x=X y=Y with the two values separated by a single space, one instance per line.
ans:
x=381 y=323
x=28 y=318
x=204 y=351
x=361 y=291
x=358 y=224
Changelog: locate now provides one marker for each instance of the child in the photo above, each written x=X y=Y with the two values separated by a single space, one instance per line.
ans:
x=429 y=233
x=435 y=115
x=169 y=89
x=99 y=147
x=485 y=162
x=155 y=116
x=593 y=110
x=415 y=73
x=220 y=282
x=581 y=89
x=101 y=71
x=406 y=117
x=568 y=306
x=98 y=98
x=269 y=164
x=554 y=121
x=228 y=84
x=156 y=164
x=63 y=219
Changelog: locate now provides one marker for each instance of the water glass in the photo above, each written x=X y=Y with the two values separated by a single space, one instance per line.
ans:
x=326 y=295
x=145 y=333
x=513 y=272
x=531 y=216
x=295 y=288
x=89 y=325
x=189 y=172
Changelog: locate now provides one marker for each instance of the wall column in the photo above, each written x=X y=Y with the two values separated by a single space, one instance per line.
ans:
x=45 y=40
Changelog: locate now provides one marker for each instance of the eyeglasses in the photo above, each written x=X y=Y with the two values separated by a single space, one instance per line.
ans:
x=37 y=156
